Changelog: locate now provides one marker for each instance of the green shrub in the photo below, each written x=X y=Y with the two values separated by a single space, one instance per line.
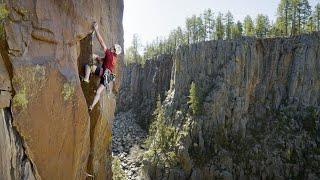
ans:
x=161 y=140
x=153 y=126
x=117 y=172
x=194 y=101
x=20 y=99
x=309 y=119
x=161 y=134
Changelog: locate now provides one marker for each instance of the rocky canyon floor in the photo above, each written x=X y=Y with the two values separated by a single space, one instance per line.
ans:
x=127 y=144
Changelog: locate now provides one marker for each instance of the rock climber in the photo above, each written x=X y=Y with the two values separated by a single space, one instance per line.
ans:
x=105 y=72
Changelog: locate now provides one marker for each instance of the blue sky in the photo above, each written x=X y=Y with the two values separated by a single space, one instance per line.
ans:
x=152 y=18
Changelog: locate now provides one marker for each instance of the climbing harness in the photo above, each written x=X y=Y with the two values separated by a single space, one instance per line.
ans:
x=108 y=77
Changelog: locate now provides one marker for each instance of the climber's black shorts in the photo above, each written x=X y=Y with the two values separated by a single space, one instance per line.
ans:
x=103 y=81
x=98 y=71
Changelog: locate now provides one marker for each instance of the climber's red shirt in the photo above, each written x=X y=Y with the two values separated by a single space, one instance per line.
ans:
x=109 y=60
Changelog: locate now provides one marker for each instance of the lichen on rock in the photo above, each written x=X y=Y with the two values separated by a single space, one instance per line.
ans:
x=68 y=91
x=3 y=15
x=20 y=99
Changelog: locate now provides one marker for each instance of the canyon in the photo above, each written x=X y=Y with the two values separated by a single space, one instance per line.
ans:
x=259 y=109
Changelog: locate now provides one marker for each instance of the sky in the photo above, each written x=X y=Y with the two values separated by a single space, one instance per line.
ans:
x=152 y=18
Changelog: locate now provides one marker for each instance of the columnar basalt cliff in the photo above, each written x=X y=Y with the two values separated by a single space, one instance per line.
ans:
x=259 y=118
x=46 y=131
x=142 y=84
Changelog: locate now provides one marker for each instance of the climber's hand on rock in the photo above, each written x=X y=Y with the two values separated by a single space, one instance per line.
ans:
x=95 y=26
x=95 y=57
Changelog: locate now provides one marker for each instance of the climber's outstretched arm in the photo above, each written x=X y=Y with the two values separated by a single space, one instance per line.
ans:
x=103 y=45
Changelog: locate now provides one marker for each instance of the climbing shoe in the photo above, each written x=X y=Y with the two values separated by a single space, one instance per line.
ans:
x=83 y=79
x=90 y=108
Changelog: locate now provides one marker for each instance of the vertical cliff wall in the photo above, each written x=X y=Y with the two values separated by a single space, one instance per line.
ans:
x=260 y=104
x=259 y=118
x=249 y=74
x=142 y=84
x=46 y=130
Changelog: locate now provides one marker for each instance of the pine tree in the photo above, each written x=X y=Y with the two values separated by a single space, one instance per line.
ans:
x=193 y=28
x=306 y=13
x=280 y=28
x=117 y=172
x=262 y=26
x=170 y=43
x=208 y=17
x=316 y=16
x=181 y=39
x=188 y=30
x=284 y=16
x=240 y=27
x=136 y=45
x=299 y=16
x=157 y=126
x=219 y=27
x=194 y=99
x=248 y=26
x=236 y=31
x=303 y=14
x=158 y=107
x=287 y=11
x=295 y=17
x=176 y=38
x=229 y=24
x=128 y=56
x=273 y=31
x=147 y=51
x=161 y=46
x=200 y=29
x=310 y=26
x=132 y=53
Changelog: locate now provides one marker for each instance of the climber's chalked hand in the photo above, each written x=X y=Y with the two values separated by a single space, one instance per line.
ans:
x=95 y=25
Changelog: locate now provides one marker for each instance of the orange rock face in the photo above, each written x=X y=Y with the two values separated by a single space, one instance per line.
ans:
x=42 y=50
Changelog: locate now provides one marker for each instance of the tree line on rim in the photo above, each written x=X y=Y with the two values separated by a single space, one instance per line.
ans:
x=294 y=17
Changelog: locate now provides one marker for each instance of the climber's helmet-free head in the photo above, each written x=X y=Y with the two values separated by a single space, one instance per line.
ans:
x=116 y=48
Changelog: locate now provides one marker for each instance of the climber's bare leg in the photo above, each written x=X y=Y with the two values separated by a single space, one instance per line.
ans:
x=92 y=69
x=88 y=71
x=100 y=89
x=111 y=86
